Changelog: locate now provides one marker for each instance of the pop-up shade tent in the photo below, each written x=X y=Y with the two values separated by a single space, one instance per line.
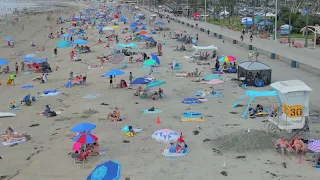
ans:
x=254 y=72
x=254 y=94
x=211 y=47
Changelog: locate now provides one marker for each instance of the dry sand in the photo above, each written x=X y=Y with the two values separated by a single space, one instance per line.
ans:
x=45 y=156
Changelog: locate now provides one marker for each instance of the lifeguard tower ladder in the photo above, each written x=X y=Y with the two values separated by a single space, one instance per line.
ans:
x=294 y=112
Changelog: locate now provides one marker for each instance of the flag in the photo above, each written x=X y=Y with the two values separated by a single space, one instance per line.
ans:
x=115 y=59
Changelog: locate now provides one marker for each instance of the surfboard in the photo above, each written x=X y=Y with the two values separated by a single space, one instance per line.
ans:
x=7 y=114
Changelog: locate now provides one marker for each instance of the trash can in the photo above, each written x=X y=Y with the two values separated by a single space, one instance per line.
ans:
x=250 y=47
x=293 y=64
x=234 y=41
x=273 y=55
x=220 y=36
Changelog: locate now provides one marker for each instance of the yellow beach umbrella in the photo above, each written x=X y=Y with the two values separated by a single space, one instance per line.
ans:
x=115 y=27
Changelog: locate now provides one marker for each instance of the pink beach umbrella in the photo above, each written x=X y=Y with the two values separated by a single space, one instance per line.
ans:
x=215 y=81
x=76 y=146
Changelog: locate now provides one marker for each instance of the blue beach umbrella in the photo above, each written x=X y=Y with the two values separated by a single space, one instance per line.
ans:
x=109 y=170
x=79 y=41
x=84 y=126
x=114 y=72
x=155 y=57
x=8 y=39
x=160 y=23
x=140 y=81
x=133 y=25
x=66 y=35
x=155 y=84
x=3 y=62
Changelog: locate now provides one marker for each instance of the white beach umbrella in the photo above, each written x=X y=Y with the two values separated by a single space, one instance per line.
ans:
x=107 y=29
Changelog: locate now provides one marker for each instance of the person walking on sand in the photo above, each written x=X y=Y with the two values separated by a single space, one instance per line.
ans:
x=11 y=77
x=251 y=37
x=17 y=68
x=130 y=77
x=22 y=65
x=71 y=55
x=84 y=78
x=256 y=54
x=111 y=82
x=55 y=52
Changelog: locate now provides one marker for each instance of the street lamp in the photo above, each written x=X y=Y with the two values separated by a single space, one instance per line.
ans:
x=275 y=23
x=205 y=10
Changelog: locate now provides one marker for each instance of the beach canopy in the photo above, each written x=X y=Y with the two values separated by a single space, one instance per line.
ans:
x=107 y=28
x=109 y=170
x=8 y=39
x=3 y=62
x=254 y=94
x=165 y=135
x=33 y=59
x=155 y=57
x=85 y=138
x=211 y=47
x=82 y=127
x=62 y=44
x=127 y=45
x=114 y=72
x=155 y=84
x=79 y=41
x=141 y=80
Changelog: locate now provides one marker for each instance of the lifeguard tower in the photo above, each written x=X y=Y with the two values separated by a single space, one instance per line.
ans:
x=294 y=111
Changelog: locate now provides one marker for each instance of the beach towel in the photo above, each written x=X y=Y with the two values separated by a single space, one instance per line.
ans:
x=52 y=92
x=14 y=141
x=27 y=73
x=91 y=96
x=16 y=108
x=146 y=111
x=168 y=154
x=192 y=113
x=98 y=67
x=27 y=87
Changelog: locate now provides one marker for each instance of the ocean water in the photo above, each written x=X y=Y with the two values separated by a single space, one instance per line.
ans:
x=8 y=6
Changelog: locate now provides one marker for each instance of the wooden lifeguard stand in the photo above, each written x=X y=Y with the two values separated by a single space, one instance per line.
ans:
x=294 y=111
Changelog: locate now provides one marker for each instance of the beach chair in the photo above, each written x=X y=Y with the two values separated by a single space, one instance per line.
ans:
x=78 y=159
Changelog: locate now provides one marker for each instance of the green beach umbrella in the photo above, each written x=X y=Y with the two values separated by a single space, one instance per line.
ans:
x=149 y=62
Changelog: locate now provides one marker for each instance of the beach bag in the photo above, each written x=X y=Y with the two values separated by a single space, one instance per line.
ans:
x=52 y=114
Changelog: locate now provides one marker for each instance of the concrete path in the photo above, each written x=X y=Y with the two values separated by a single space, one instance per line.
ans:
x=306 y=58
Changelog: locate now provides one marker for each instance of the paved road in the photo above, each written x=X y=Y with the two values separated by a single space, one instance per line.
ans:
x=307 y=56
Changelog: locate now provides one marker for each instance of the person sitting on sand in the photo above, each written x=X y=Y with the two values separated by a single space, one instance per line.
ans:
x=32 y=44
x=94 y=150
x=47 y=111
x=139 y=89
x=283 y=145
x=10 y=134
x=5 y=70
x=259 y=108
x=172 y=148
x=99 y=41
x=115 y=115
x=299 y=146
x=317 y=158
x=12 y=105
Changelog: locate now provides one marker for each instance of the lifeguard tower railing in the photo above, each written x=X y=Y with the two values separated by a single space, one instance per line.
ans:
x=283 y=122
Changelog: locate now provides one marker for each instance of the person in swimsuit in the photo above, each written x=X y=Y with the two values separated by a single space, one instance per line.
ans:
x=299 y=146
x=115 y=115
x=111 y=82
x=17 y=68
x=283 y=145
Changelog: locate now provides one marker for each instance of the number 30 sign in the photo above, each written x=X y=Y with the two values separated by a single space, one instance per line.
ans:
x=292 y=111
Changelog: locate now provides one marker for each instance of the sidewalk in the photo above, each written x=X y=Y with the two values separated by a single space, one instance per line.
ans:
x=306 y=59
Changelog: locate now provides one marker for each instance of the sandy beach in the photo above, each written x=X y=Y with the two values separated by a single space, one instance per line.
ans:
x=46 y=154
